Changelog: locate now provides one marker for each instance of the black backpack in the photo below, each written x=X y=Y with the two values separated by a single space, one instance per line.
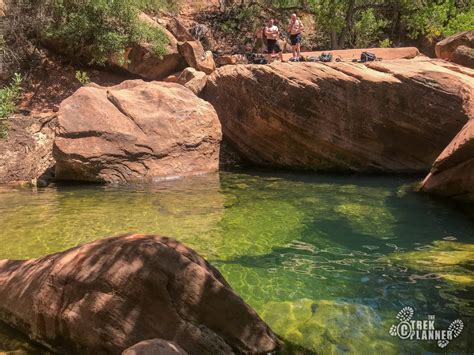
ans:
x=259 y=61
x=367 y=57
x=254 y=58
x=325 y=57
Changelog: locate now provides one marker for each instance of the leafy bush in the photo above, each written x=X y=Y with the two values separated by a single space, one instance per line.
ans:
x=463 y=21
x=158 y=5
x=8 y=97
x=385 y=43
x=96 y=29
x=82 y=77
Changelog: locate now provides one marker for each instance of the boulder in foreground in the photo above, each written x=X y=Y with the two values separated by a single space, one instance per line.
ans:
x=135 y=130
x=452 y=174
x=389 y=116
x=106 y=296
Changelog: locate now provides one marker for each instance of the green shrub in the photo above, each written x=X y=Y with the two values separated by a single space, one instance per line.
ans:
x=463 y=21
x=158 y=5
x=96 y=29
x=385 y=43
x=8 y=97
x=82 y=77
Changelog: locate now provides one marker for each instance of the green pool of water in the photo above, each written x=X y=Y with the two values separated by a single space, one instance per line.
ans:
x=327 y=261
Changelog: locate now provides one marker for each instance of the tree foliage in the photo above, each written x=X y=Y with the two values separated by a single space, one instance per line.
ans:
x=362 y=23
x=92 y=30
x=99 y=28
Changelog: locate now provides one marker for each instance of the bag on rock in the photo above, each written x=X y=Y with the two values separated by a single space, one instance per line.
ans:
x=367 y=57
x=325 y=57
x=254 y=58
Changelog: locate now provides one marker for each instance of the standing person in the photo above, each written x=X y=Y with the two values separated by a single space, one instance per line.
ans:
x=272 y=33
x=260 y=42
x=295 y=29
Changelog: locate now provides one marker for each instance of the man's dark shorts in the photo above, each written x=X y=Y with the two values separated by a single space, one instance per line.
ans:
x=295 y=39
x=272 y=46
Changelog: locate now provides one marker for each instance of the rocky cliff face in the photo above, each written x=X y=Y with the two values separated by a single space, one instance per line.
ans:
x=25 y=152
x=134 y=131
x=108 y=295
x=390 y=116
x=452 y=174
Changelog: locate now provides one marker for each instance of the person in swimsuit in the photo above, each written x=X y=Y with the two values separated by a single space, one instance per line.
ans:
x=261 y=41
x=272 y=33
x=295 y=29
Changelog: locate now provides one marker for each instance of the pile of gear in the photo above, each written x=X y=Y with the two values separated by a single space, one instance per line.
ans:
x=254 y=58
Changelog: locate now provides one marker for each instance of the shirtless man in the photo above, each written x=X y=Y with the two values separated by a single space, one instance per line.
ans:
x=272 y=33
x=295 y=28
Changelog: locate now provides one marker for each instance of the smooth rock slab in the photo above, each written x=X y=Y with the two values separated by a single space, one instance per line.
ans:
x=389 y=116
x=106 y=296
x=133 y=131
x=452 y=174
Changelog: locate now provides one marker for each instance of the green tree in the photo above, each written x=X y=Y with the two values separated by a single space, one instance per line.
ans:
x=361 y=23
x=95 y=29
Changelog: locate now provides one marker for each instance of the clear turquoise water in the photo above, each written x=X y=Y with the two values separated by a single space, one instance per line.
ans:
x=327 y=261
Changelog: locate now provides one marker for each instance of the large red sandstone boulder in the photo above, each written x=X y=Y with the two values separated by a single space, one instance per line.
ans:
x=194 y=54
x=452 y=174
x=135 y=130
x=446 y=48
x=103 y=297
x=142 y=60
x=389 y=116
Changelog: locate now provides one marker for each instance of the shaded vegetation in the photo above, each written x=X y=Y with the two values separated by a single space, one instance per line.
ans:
x=8 y=97
x=97 y=29
x=90 y=31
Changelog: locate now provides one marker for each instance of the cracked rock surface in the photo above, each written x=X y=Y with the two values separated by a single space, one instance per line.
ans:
x=133 y=131
x=25 y=152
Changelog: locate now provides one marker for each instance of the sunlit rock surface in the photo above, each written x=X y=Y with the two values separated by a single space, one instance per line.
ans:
x=388 y=116
x=135 y=131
